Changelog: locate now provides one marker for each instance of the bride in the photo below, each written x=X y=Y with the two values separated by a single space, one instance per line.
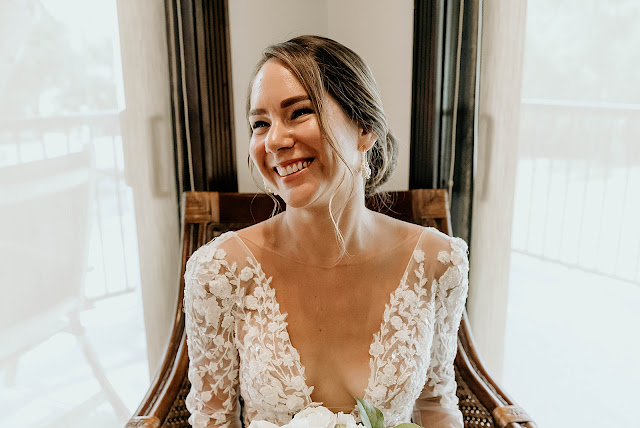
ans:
x=328 y=300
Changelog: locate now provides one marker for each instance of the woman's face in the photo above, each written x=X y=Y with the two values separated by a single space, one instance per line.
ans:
x=286 y=143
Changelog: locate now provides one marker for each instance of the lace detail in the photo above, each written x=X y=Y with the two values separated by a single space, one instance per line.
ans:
x=239 y=343
x=450 y=295
x=269 y=358
x=400 y=350
x=211 y=295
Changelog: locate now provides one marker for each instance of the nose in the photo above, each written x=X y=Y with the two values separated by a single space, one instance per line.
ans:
x=278 y=138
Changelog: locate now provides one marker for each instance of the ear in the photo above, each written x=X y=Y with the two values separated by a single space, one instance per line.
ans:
x=366 y=139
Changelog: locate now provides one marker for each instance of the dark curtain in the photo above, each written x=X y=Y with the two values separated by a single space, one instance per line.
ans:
x=445 y=60
x=201 y=95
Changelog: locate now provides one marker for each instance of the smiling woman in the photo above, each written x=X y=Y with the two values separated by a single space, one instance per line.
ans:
x=377 y=311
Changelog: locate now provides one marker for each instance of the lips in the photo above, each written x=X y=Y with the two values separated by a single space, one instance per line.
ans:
x=293 y=167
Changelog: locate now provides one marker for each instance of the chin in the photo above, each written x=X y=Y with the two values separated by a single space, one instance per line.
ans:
x=301 y=198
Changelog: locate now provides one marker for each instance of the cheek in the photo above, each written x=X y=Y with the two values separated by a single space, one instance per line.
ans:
x=256 y=147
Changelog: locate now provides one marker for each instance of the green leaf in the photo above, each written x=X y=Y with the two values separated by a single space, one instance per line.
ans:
x=370 y=415
x=408 y=425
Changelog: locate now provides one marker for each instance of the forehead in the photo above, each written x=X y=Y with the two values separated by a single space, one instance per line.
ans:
x=274 y=82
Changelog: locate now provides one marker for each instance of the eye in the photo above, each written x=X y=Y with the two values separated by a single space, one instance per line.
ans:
x=259 y=124
x=301 y=111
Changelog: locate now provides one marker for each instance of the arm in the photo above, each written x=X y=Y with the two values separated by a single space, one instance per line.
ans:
x=437 y=405
x=209 y=301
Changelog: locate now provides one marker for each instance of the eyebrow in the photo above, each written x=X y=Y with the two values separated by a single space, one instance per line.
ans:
x=284 y=104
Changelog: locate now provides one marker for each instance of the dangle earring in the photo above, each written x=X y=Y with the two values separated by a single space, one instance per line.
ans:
x=365 y=169
x=268 y=188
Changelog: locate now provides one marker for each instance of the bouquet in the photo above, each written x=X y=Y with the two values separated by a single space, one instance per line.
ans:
x=321 y=417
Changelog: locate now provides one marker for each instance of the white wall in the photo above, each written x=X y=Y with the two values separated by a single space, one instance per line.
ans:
x=146 y=132
x=380 y=31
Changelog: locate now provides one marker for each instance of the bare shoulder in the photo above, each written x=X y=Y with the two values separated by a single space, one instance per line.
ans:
x=392 y=229
x=437 y=240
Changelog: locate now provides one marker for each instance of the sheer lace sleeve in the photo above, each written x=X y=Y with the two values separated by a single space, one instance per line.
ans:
x=437 y=405
x=210 y=298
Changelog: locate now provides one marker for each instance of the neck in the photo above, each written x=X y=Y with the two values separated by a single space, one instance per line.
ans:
x=310 y=236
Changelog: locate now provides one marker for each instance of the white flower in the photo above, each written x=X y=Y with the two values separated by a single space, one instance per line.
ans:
x=287 y=360
x=220 y=287
x=389 y=369
x=246 y=274
x=444 y=257
x=205 y=254
x=199 y=420
x=396 y=322
x=345 y=421
x=251 y=302
x=262 y=424
x=212 y=310
x=202 y=277
x=272 y=327
x=409 y=297
x=265 y=354
x=269 y=394
x=402 y=335
x=378 y=393
x=457 y=258
x=458 y=245
x=220 y=254
x=298 y=382
x=214 y=267
x=218 y=341
x=418 y=255
x=313 y=417
x=294 y=403
x=376 y=349
x=227 y=321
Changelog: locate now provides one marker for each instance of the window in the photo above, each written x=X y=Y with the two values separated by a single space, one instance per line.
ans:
x=575 y=265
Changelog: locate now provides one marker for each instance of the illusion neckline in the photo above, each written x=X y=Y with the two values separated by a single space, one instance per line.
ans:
x=285 y=315
x=351 y=264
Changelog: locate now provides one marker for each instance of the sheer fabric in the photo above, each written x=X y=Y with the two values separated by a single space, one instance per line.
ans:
x=239 y=344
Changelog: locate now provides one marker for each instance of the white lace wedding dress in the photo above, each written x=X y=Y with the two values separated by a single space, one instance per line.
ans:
x=239 y=345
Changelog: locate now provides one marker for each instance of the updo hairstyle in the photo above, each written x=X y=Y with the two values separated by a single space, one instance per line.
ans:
x=325 y=66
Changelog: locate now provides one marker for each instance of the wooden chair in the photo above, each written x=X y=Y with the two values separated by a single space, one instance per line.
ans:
x=207 y=214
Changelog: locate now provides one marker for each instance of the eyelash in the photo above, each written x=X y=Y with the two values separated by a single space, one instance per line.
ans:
x=301 y=111
x=259 y=124
x=296 y=113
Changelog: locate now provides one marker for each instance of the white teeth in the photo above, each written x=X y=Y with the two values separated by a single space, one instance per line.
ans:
x=290 y=169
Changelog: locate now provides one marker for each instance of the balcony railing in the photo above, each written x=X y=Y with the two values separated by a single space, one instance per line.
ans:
x=577 y=196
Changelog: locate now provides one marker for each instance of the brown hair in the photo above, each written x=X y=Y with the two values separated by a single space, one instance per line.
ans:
x=323 y=66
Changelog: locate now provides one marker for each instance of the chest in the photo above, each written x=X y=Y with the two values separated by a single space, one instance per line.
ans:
x=343 y=327
x=338 y=308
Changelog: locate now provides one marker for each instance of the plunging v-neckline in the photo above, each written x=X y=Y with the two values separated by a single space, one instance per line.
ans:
x=285 y=315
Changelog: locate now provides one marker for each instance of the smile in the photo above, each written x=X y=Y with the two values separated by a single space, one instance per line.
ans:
x=294 y=167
